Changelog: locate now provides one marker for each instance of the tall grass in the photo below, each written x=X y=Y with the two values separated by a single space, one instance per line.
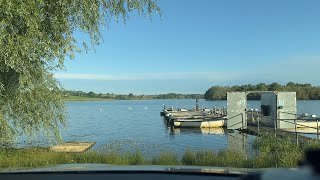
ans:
x=268 y=152
x=273 y=152
x=224 y=158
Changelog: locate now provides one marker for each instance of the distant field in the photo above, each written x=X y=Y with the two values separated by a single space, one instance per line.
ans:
x=83 y=98
x=86 y=98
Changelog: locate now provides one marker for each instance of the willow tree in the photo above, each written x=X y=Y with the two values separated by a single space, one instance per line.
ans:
x=35 y=39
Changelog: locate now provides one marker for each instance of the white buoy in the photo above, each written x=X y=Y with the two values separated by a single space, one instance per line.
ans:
x=145 y=107
x=129 y=108
x=100 y=109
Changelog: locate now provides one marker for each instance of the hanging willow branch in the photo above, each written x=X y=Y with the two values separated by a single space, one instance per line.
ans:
x=35 y=38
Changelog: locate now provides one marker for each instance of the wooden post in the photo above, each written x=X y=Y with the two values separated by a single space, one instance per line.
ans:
x=295 y=129
x=171 y=126
x=258 y=119
x=317 y=129
x=295 y=125
x=252 y=116
x=242 y=120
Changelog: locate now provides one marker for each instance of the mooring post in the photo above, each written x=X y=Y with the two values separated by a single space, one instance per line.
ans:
x=295 y=129
x=223 y=110
x=252 y=116
x=317 y=129
x=197 y=104
x=275 y=128
x=242 y=120
x=295 y=125
x=258 y=119
x=171 y=126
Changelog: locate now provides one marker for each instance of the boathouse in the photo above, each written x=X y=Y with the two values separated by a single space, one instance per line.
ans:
x=277 y=109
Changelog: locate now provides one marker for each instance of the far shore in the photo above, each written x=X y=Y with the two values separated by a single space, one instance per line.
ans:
x=86 y=98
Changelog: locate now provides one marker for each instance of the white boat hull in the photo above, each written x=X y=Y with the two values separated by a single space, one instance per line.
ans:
x=202 y=124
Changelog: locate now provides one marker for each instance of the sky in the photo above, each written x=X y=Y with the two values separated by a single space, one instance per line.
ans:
x=197 y=44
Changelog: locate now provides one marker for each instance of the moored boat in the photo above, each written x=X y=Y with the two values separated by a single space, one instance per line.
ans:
x=213 y=122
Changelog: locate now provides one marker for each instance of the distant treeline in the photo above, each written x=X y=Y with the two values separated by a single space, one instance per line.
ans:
x=304 y=91
x=131 y=96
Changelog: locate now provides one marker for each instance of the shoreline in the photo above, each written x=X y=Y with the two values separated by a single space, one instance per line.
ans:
x=273 y=152
x=81 y=98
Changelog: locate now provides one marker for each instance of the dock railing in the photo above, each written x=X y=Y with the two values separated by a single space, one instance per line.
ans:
x=297 y=132
x=302 y=119
x=298 y=122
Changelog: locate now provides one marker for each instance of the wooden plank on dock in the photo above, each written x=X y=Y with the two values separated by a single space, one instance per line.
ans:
x=72 y=147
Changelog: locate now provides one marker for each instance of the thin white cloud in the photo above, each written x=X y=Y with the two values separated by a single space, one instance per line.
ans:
x=302 y=69
x=150 y=76
x=91 y=76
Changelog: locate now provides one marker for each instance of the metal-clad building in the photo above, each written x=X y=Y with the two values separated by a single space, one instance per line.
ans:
x=236 y=110
x=278 y=109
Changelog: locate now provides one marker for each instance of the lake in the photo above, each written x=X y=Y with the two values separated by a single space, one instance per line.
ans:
x=124 y=125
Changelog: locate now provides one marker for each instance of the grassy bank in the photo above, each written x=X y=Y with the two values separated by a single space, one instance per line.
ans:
x=270 y=152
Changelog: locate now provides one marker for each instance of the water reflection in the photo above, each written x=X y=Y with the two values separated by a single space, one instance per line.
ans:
x=237 y=141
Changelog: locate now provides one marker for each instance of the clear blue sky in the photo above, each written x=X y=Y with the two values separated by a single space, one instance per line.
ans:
x=201 y=43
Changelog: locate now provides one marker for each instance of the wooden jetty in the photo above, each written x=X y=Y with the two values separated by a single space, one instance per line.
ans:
x=74 y=147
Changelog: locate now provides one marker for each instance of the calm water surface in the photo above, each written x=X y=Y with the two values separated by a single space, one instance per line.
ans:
x=137 y=125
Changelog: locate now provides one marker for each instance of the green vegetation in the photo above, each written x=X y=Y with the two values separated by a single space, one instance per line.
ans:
x=35 y=39
x=83 y=96
x=304 y=91
x=267 y=152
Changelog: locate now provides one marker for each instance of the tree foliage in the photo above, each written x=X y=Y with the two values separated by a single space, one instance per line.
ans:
x=304 y=91
x=35 y=39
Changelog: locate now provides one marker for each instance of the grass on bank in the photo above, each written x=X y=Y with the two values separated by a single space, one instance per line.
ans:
x=268 y=152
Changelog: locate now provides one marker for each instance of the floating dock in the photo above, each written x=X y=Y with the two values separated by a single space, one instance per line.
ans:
x=73 y=147
x=204 y=118
x=278 y=114
x=296 y=137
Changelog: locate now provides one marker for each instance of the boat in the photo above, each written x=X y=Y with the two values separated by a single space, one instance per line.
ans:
x=204 y=122
x=195 y=118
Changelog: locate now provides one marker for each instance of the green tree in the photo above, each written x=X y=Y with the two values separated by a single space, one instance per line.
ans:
x=131 y=95
x=91 y=94
x=217 y=93
x=262 y=87
x=275 y=87
x=35 y=39
x=304 y=91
